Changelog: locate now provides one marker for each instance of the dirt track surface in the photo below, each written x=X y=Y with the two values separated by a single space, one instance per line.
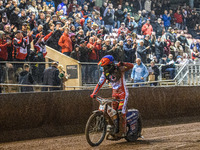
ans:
x=182 y=136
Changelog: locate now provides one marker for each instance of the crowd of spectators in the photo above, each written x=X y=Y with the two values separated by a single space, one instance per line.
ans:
x=87 y=30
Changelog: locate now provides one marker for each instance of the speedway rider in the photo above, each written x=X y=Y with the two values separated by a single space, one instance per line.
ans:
x=115 y=74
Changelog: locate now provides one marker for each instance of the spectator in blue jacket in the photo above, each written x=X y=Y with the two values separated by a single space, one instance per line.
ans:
x=166 y=18
x=139 y=72
x=49 y=2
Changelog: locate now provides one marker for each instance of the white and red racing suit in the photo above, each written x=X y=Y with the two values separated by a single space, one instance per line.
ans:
x=40 y=43
x=119 y=90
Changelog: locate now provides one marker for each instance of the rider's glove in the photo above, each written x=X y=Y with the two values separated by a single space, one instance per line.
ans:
x=92 y=95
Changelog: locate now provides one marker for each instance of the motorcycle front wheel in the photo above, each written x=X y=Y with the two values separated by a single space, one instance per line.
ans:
x=95 y=130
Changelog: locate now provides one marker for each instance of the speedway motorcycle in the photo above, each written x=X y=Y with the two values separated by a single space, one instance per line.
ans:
x=100 y=124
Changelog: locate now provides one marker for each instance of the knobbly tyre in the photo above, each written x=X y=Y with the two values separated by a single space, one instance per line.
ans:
x=100 y=124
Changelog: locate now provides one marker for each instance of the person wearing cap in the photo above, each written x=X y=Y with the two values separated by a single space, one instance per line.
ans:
x=168 y=35
x=73 y=12
x=80 y=36
x=51 y=77
x=73 y=39
x=88 y=27
x=180 y=60
x=147 y=28
x=84 y=51
x=53 y=40
x=71 y=6
x=20 y=44
x=25 y=77
x=40 y=43
x=115 y=75
x=122 y=36
x=94 y=27
x=65 y=42
x=25 y=32
x=122 y=28
x=75 y=54
x=55 y=19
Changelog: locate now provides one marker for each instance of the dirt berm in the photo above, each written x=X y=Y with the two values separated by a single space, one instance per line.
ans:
x=66 y=112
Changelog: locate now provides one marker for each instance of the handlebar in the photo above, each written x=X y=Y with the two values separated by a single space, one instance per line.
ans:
x=103 y=100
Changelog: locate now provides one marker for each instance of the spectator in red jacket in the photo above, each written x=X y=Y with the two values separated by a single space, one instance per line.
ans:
x=65 y=42
x=122 y=28
x=93 y=55
x=40 y=42
x=98 y=47
x=20 y=44
x=3 y=47
x=147 y=28
x=178 y=19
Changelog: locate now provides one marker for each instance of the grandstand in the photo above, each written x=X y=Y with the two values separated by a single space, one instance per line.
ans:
x=39 y=33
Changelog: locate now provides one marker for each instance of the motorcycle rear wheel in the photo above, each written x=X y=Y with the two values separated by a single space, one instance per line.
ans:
x=132 y=137
x=95 y=130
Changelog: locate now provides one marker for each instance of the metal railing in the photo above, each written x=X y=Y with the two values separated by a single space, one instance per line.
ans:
x=91 y=73
x=10 y=70
x=187 y=74
x=12 y=88
x=193 y=74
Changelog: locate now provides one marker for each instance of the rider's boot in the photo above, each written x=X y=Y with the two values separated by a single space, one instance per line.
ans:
x=116 y=123
x=116 y=129
x=122 y=125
